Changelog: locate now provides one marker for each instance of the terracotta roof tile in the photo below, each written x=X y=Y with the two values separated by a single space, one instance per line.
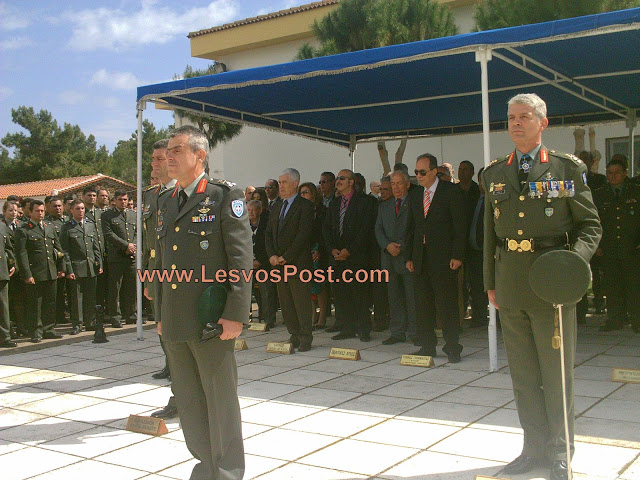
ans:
x=268 y=16
x=63 y=185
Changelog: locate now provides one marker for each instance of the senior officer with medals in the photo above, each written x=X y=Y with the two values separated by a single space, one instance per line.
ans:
x=203 y=227
x=537 y=201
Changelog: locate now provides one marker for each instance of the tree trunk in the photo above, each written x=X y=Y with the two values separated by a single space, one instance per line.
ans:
x=384 y=158
x=401 y=149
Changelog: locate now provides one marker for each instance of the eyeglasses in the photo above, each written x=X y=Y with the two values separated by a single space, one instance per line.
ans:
x=422 y=173
x=342 y=177
x=305 y=192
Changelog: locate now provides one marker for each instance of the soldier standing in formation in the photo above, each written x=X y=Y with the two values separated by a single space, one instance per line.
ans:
x=537 y=200
x=7 y=269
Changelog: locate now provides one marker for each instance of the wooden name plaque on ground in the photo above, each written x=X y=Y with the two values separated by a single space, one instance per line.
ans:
x=625 y=375
x=148 y=425
x=241 y=344
x=258 y=327
x=280 y=347
x=344 y=353
x=417 y=361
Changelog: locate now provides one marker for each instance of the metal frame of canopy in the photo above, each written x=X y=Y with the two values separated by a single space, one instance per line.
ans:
x=507 y=52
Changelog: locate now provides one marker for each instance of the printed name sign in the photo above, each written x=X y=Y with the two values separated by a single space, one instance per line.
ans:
x=258 y=327
x=344 y=353
x=148 y=425
x=280 y=347
x=417 y=361
x=241 y=344
x=625 y=375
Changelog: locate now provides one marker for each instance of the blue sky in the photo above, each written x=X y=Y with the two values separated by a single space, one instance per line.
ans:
x=83 y=59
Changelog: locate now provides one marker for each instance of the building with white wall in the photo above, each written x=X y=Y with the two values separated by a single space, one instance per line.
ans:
x=258 y=154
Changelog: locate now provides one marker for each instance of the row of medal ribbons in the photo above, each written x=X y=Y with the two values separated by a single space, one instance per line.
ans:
x=552 y=188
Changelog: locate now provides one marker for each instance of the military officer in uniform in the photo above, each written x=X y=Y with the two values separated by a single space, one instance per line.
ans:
x=7 y=269
x=16 y=284
x=83 y=260
x=94 y=213
x=41 y=262
x=151 y=251
x=537 y=200
x=203 y=227
x=55 y=216
x=618 y=204
x=119 y=228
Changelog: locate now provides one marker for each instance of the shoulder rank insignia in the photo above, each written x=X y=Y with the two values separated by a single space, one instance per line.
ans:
x=225 y=183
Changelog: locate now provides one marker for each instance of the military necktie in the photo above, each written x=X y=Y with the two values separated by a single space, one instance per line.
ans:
x=525 y=168
x=616 y=192
x=182 y=199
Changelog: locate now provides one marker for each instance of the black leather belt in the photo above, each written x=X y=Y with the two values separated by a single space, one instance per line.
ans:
x=532 y=244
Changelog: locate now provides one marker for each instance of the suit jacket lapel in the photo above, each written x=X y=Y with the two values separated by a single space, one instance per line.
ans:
x=292 y=208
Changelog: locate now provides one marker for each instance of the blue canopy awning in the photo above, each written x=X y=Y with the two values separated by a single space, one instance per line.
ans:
x=586 y=68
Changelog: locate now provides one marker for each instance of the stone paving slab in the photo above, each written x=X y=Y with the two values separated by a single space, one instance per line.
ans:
x=64 y=406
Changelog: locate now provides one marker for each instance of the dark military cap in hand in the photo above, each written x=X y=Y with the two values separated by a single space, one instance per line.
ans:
x=210 y=307
x=560 y=277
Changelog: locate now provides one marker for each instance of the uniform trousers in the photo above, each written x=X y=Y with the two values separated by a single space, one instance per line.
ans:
x=297 y=309
x=536 y=376
x=436 y=287
x=622 y=287
x=82 y=297
x=102 y=288
x=5 y=325
x=41 y=306
x=61 y=300
x=122 y=286
x=204 y=381
x=17 y=312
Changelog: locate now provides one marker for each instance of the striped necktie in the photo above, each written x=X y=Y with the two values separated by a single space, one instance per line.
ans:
x=426 y=201
x=343 y=211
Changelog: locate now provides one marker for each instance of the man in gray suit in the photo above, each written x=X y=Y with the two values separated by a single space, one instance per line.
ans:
x=391 y=228
x=203 y=228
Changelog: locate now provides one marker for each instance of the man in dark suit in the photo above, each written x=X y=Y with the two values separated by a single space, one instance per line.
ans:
x=83 y=260
x=119 y=227
x=391 y=233
x=436 y=238
x=7 y=269
x=473 y=265
x=260 y=257
x=203 y=227
x=41 y=262
x=288 y=242
x=348 y=229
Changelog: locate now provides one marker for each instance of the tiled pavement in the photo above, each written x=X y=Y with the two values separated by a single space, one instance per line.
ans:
x=63 y=410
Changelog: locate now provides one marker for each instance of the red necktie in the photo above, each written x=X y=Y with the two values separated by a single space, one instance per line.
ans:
x=426 y=202
x=398 y=204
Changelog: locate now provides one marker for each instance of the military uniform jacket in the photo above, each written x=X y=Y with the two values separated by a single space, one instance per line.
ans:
x=81 y=249
x=7 y=258
x=119 y=230
x=38 y=252
x=512 y=213
x=95 y=216
x=57 y=222
x=211 y=231
x=620 y=221
x=149 y=220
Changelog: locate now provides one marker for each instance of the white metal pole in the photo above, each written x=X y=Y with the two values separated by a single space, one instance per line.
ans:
x=352 y=152
x=631 y=123
x=141 y=107
x=564 y=393
x=483 y=56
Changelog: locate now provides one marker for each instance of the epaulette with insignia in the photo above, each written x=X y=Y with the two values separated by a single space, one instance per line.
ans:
x=497 y=160
x=224 y=183
x=146 y=189
x=569 y=156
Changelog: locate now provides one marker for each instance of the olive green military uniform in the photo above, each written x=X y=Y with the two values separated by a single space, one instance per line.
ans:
x=119 y=228
x=61 y=284
x=39 y=255
x=620 y=245
x=95 y=216
x=17 y=315
x=521 y=224
x=83 y=259
x=210 y=232
x=7 y=261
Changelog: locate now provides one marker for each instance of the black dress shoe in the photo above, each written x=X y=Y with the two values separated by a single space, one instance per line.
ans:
x=8 y=344
x=162 y=374
x=166 y=412
x=365 y=337
x=343 y=336
x=522 y=464
x=559 y=470
x=454 y=357
x=76 y=330
x=295 y=341
x=304 y=347
x=51 y=335
x=333 y=329
x=36 y=339
x=426 y=352
x=392 y=340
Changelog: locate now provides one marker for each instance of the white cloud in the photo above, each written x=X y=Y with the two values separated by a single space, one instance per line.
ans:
x=13 y=18
x=14 y=43
x=116 y=29
x=5 y=92
x=119 y=80
x=72 y=97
